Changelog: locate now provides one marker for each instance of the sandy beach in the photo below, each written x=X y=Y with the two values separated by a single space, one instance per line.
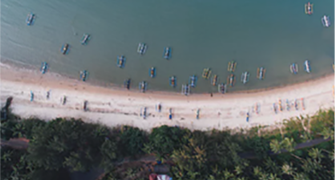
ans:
x=121 y=107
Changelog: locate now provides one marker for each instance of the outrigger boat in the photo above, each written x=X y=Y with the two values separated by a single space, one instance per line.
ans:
x=296 y=105
x=325 y=21
x=294 y=68
x=152 y=72
x=309 y=8
x=120 y=61
x=245 y=77
x=127 y=83
x=167 y=53
x=142 y=47
x=302 y=103
x=280 y=107
x=257 y=108
x=30 y=19
x=206 y=73
x=307 y=67
x=193 y=81
x=142 y=86
x=231 y=80
x=64 y=48
x=231 y=66
x=222 y=88
x=185 y=89
x=214 y=80
x=275 y=108
x=261 y=73
x=173 y=81
x=85 y=38
x=83 y=75
x=44 y=67
x=288 y=107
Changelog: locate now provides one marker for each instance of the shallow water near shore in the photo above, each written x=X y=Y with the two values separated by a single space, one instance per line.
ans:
x=201 y=33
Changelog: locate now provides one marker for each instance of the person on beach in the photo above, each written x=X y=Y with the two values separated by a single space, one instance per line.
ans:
x=48 y=94
x=31 y=96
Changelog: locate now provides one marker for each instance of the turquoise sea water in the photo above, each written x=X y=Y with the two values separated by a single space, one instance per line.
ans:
x=202 y=34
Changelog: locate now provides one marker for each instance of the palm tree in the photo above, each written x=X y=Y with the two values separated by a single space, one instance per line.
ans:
x=316 y=154
x=288 y=169
x=328 y=133
x=275 y=146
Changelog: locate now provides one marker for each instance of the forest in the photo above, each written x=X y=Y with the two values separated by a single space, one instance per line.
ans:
x=300 y=148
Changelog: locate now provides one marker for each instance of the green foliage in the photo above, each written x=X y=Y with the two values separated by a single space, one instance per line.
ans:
x=72 y=144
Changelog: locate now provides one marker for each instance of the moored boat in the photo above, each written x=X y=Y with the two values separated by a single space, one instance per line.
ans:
x=231 y=66
x=307 y=66
x=127 y=84
x=206 y=73
x=185 y=89
x=231 y=80
x=142 y=47
x=222 y=88
x=193 y=81
x=214 y=80
x=30 y=19
x=309 y=8
x=325 y=21
x=65 y=48
x=173 y=81
x=121 y=61
x=85 y=39
x=142 y=86
x=294 y=68
x=44 y=67
x=83 y=75
x=261 y=73
x=245 y=77
x=167 y=53
x=152 y=72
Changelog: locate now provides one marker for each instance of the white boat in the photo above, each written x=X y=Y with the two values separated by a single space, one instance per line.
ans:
x=245 y=77
x=325 y=21
x=307 y=68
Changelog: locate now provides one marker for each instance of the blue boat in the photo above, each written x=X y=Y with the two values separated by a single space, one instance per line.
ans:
x=85 y=38
x=44 y=67
x=247 y=118
x=83 y=75
x=142 y=47
x=167 y=53
x=173 y=81
x=193 y=81
x=197 y=115
x=170 y=113
x=288 y=105
x=127 y=83
x=294 y=68
x=64 y=48
x=120 y=61
x=143 y=112
x=142 y=86
x=152 y=72
x=30 y=19
x=222 y=88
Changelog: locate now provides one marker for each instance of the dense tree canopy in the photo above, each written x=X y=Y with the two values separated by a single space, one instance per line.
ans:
x=301 y=148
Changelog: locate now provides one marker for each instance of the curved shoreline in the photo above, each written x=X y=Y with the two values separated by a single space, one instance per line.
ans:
x=116 y=107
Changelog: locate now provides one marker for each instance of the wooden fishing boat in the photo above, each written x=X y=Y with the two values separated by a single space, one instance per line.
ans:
x=214 y=80
x=206 y=73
